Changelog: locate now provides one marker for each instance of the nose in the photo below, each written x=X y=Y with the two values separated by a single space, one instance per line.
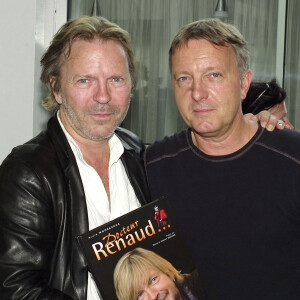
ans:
x=102 y=93
x=151 y=294
x=199 y=90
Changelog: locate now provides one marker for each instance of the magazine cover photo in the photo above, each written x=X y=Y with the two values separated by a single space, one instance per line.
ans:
x=141 y=255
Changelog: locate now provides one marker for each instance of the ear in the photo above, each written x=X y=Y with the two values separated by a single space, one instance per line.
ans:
x=245 y=84
x=57 y=95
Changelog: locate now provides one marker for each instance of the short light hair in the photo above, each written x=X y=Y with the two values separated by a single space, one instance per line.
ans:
x=131 y=272
x=86 y=28
x=218 y=33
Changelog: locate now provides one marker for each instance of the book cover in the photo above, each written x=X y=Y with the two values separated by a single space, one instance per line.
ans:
x=144 y=251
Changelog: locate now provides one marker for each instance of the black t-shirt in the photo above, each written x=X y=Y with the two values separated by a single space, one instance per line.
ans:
x=239 y=213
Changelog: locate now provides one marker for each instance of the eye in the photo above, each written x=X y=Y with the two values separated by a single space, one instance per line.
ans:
x=117 y=79
x=215 y=75
x=154 y=279
x=182 y=79
x=84 y=83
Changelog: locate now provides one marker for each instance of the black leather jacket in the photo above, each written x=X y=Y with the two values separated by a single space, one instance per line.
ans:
x=43 y=209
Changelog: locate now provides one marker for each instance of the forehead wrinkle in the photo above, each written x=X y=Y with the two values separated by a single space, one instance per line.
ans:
x=92 y=66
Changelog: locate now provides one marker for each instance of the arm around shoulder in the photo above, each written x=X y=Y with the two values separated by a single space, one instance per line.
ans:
x=267 y=120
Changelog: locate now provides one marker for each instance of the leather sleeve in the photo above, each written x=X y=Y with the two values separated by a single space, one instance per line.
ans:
x=27 y=233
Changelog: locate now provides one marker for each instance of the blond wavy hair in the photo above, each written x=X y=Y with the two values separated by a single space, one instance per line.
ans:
x=131 y=272
x=86 y=28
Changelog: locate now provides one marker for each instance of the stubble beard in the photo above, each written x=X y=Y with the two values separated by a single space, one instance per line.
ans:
x=81 y=125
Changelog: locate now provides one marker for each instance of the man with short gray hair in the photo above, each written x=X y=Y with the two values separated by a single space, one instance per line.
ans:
x=242 y=227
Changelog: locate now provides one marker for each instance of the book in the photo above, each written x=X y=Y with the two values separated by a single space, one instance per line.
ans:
x=151 y=227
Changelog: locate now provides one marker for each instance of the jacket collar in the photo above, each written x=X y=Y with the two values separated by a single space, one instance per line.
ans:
x=76 y=209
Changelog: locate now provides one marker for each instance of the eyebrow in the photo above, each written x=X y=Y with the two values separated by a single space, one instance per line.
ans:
x=183 y=72
x=206 y=70
x=83 y=75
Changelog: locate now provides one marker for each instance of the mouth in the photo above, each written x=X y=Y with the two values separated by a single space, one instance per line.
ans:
x=202 y=111
x=103 y=112
x=102 y=115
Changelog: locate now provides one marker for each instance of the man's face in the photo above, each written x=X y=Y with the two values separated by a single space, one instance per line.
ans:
x=158 y=287
x=207 y=87
x=95 y=89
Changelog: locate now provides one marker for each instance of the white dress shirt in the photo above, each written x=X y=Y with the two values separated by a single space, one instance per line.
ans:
x=122 y=195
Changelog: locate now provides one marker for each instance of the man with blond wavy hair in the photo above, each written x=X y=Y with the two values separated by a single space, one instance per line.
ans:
x=81 y=172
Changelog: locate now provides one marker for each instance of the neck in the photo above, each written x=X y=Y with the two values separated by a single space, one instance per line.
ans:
x=98 y=157
x=229 y=142
x=95 y=153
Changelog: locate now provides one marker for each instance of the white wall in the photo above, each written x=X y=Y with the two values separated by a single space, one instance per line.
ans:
x=26 y=28
x=17 y=24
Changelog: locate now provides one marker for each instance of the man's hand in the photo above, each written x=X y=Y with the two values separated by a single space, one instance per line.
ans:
x=267 y=120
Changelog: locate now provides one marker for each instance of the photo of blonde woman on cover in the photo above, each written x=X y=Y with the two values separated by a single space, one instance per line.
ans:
x=143 y=275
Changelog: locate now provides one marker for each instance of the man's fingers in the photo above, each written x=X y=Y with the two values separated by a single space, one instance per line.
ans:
x=268 y=121
x=273 y=121
x=250 y=117
x=264 y=118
